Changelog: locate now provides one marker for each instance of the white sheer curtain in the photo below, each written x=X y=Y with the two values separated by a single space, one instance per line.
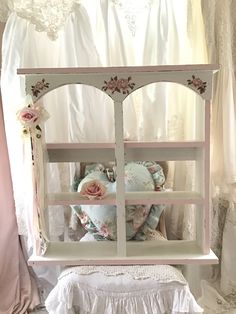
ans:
x=220 y=24
x=99 y=33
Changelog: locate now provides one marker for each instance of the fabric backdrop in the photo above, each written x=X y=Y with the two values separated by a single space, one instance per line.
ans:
x=18 y=291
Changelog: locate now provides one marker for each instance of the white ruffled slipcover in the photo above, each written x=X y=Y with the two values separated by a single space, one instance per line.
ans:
x=121 y=290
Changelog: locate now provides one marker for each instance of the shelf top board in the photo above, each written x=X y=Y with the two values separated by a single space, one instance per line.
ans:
x=121 y=69
x=197 y=77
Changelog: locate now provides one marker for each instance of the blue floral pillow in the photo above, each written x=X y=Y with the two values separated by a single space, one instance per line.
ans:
x=100 y=220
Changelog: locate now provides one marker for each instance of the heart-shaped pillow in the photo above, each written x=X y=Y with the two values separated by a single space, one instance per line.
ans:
x=101 y=219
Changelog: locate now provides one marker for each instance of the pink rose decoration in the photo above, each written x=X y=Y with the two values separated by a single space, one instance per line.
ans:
x=40 y=85
x=28 y=116
x=111 y=85
x=197 y=82
x=31 y=116
x=122 y=84
x=93 y=190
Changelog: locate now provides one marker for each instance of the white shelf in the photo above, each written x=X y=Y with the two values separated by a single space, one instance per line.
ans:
x=162 y=153
x=104 y=253
x=74 y=198
x=81 y=154
x=127 y=144
x=165 y=197
x=164 y=144
x=85 y=152
x=131 y=198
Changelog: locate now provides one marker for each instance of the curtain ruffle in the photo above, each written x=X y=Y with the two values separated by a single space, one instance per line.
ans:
x=80 y=294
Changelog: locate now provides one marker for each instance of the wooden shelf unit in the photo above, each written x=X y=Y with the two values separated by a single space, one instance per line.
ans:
x=122 y=251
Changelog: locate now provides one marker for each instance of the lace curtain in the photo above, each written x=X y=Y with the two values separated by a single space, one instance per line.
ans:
x=221 y=39
x=219 y=293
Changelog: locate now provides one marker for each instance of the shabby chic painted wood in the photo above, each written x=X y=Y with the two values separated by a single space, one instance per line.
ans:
x=118 y=83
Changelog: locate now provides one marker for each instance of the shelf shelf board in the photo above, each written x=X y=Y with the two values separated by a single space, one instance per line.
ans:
x=74 y=198
x=131 y=198
x=81 y=154
x=127 y=144
x=91 y=152
x=164 y=144
x=163 y=197
x=140 y=253
x=63 y=146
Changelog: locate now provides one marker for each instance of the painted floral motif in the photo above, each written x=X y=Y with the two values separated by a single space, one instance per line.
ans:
x=198 y=84
x=31 y=116
x=93 y=190
x=122 y=85
x=39 y=87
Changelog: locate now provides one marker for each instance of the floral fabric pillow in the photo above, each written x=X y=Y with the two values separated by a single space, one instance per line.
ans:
x=100 y=220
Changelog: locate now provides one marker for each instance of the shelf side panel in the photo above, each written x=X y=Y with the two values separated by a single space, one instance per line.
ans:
x=120 y=184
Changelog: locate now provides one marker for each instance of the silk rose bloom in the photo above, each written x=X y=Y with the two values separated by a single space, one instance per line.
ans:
x=93 y=190
x=28 y=116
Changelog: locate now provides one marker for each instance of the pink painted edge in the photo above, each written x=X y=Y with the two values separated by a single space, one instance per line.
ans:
x=160 y=68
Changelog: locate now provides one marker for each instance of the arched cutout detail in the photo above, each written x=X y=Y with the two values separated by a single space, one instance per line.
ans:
x=187 y=87
x=118 y=85
x=38 y=95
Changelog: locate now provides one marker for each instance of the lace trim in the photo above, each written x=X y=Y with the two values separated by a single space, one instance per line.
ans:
x=47 y=15
x=131 y=10
x=160 y=273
